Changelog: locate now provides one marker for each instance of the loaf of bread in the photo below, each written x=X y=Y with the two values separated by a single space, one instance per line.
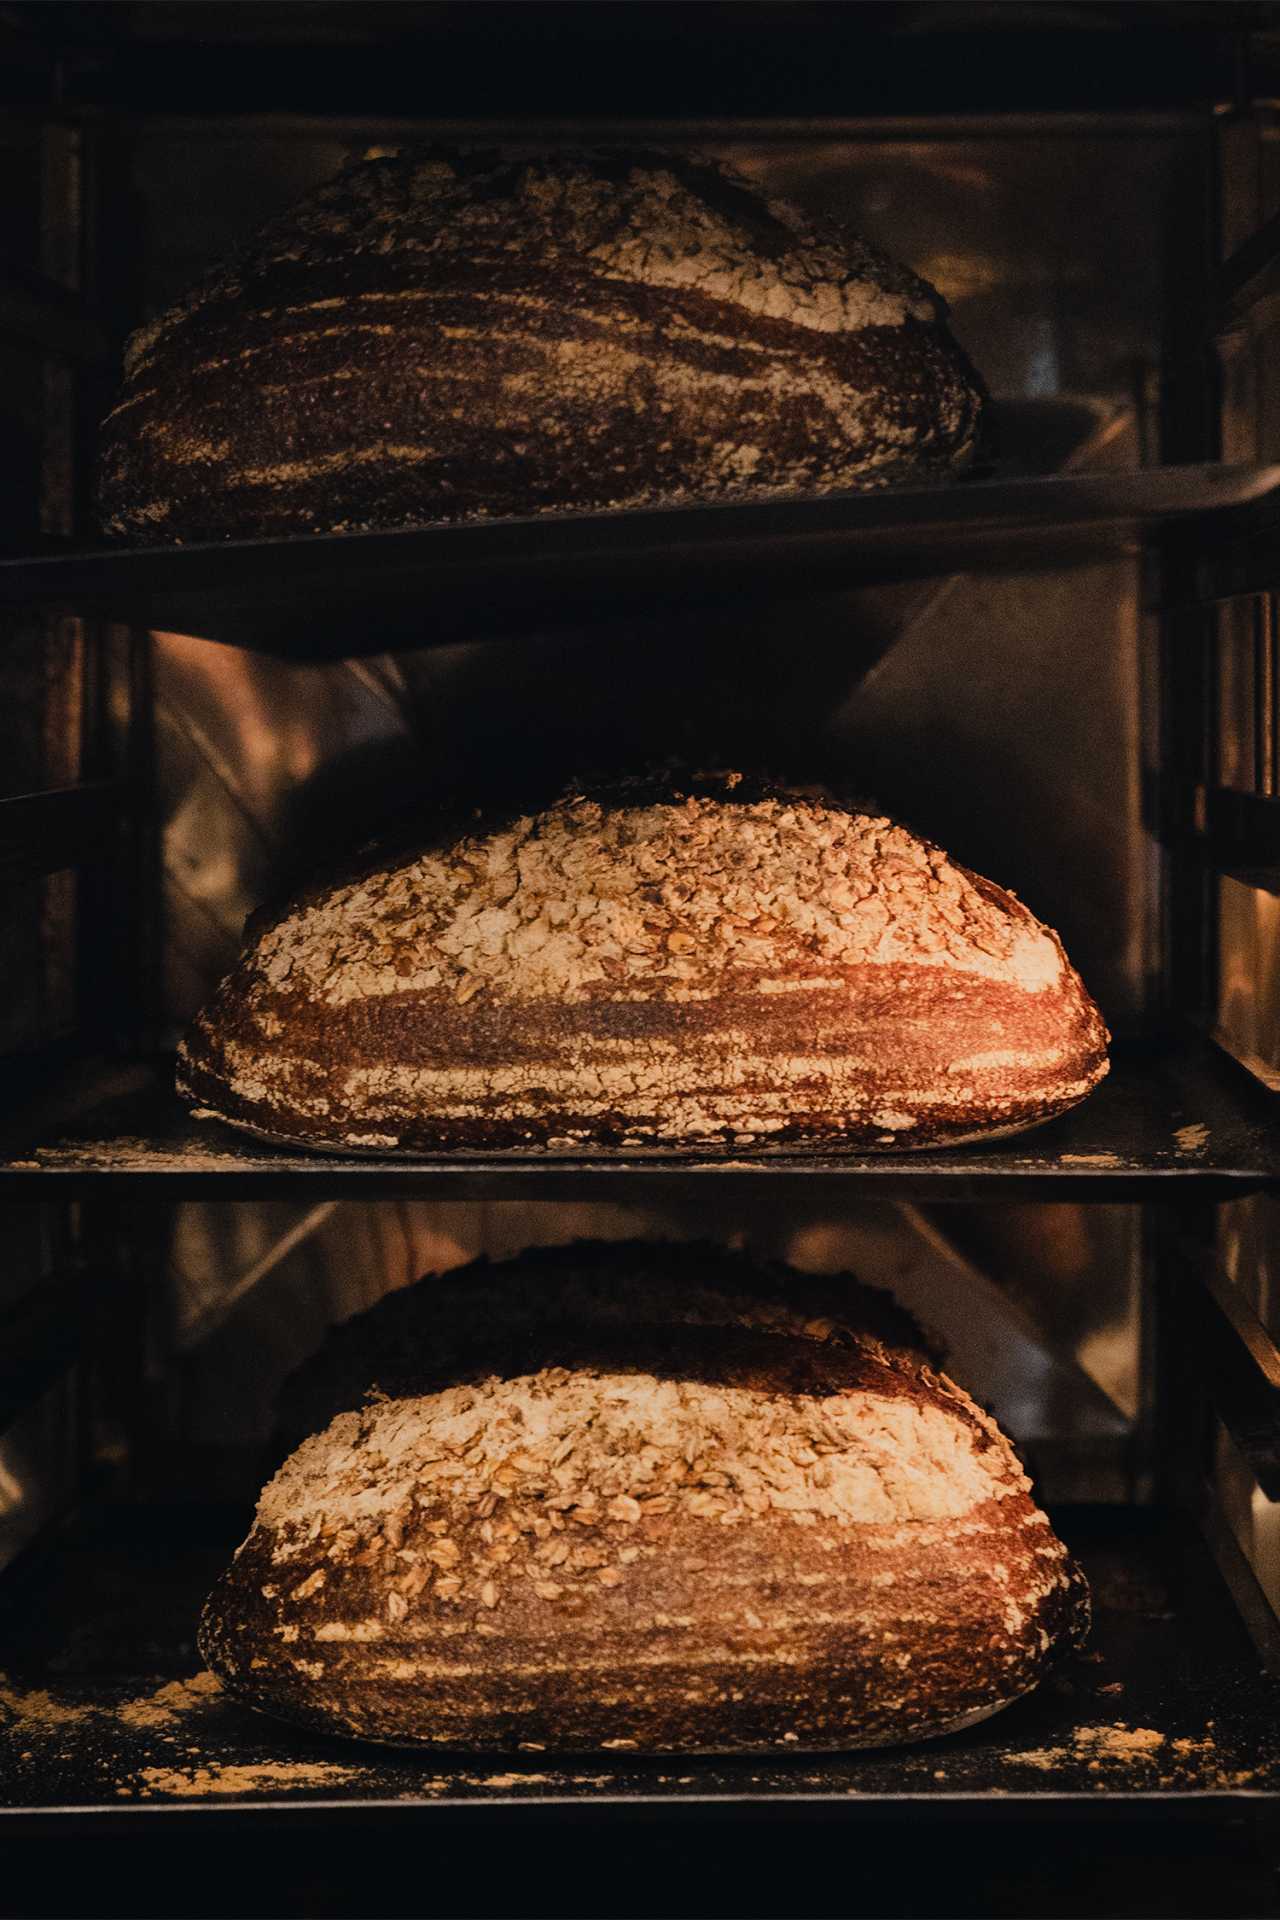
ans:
x=694 y=965
x=437 y=336
x=712 y=1536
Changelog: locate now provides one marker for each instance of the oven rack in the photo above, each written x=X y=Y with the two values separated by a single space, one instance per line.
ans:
x=1172 y=1123
x=1165 y=1714
x=329 y=596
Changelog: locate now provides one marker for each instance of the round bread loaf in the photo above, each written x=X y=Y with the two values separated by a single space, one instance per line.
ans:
x=697 y=966
x=700 y=1538
x=437 y=335
x=423 y=1337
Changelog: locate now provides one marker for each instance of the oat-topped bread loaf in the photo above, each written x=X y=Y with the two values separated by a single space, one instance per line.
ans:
x=704 y=963
x=423 y=1337
x=439 y=335
x=711 y=1536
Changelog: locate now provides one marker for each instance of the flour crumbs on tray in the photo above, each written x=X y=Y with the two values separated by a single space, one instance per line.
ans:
x=36 y=1711
x=40 y=1714
x=262 y=1776
x=169 y=1705
x=1152 y=1759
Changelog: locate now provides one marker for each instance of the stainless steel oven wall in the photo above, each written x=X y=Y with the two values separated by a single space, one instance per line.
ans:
x=1245 y=750
x=1004 y=717
x=1038 y=1315
x=1236 y=815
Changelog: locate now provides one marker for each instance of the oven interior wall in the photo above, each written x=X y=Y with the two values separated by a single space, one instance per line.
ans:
x=1008 y=718
x=1014 y=719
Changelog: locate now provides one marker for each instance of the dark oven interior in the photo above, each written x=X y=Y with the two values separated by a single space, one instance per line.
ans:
x=1069 y=675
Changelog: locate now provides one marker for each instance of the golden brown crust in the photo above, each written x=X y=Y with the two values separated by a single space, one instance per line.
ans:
x=436 y=336
x=713 y=968
x=674 y=1539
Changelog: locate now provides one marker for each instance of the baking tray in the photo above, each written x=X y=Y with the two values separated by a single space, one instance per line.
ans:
x=327 y=596
x=1150 y=1768
x=1167 y=1123
x=104 y=1712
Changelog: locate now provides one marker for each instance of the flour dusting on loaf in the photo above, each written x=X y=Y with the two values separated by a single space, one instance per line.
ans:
x=440 y=335
x=724 y=963
x=693 y=1537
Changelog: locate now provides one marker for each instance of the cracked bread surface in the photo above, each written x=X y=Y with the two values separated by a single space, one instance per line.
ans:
x=441 y=335
x=693 y=1537
x=702 y=963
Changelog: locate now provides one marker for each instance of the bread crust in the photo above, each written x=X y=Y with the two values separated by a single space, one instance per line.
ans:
x=439 y=336
x=690 y=1539
x=428 y=1335
x=723 y=966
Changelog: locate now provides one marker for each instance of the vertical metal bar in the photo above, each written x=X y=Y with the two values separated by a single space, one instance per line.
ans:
x=1191 y=429
x=1188 y=762
x=1191 y=374
x=1247 y=686
x=1182 y=1416
x=61 y=213
x=1264 y=756
x=129 y=971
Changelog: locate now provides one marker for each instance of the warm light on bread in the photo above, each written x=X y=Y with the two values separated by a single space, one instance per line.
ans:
x=698 y=965
x=441 y=336
x=726 y=1533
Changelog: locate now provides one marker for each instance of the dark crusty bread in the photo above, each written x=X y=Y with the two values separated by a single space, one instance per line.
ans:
x=425 y=1336
x=702 y=1537
x=437 y=335
x=702 y=965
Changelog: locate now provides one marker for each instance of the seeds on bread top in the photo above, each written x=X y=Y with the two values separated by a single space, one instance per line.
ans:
x=651 y=218
x=612 y=887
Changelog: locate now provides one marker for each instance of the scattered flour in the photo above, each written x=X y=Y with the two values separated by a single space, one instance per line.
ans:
x=258 y=1777
x=170 y=1703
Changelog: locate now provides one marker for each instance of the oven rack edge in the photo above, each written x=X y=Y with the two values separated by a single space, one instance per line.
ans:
x=327 y=596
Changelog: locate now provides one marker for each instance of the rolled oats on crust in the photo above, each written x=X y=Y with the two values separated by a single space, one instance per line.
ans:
x=708 y=964
x=694 y=1534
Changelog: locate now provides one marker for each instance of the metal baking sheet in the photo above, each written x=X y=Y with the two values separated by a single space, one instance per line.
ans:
x=104 y=1710
x=1188 y=1116
x=339 y=595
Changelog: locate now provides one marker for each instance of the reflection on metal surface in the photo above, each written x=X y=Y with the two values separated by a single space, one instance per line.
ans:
x=1043 y=246
x=254 y=1288
x=1248 y=1015
x=263 y=770
x=1252 y=1518
x=1248 y=655
x=1075 y=1273
x=238 y=1341
x=1248 y=1239
x=197 y=1324
x=1072 y=1432
x=37 y=1467
x=1006 y=724
x=1237 y=640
